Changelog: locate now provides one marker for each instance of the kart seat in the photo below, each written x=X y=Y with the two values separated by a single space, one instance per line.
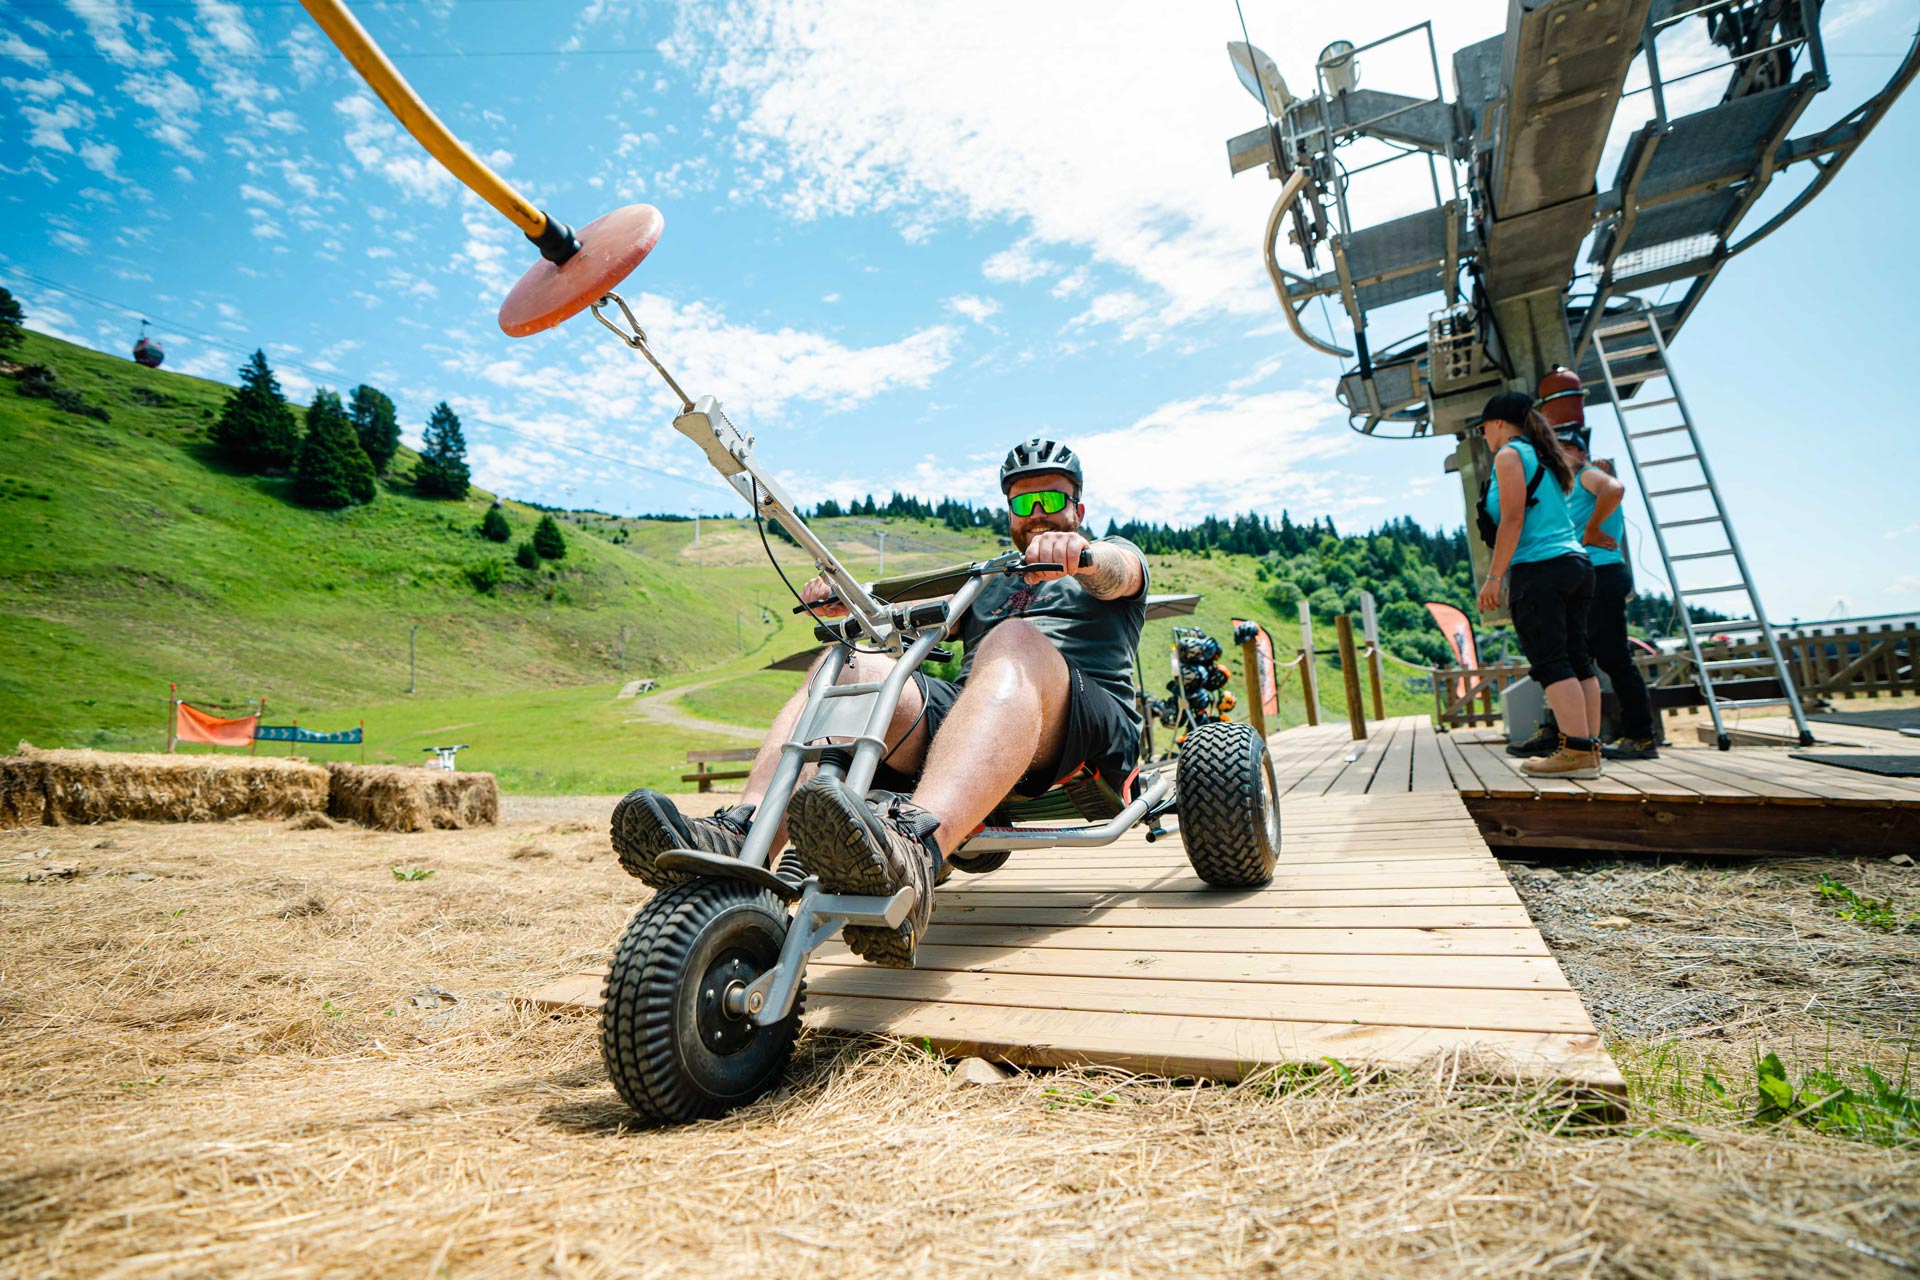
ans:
x=1083 y=796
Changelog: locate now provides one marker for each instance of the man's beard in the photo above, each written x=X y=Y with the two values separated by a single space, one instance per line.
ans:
x=1063 y=521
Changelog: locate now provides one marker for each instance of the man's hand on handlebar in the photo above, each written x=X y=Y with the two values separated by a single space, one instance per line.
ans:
x=818 y=594
x=1061 y=547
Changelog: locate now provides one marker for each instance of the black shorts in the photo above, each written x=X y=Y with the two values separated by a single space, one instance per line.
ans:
x=1099 y=734
x=1549 y=601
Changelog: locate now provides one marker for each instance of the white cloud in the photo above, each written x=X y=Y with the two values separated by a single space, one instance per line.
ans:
x=947 y=126
x=307 y=51
x=12 y=46
x=1075 y=281
x=375 y=142
x=101 y=157
x=1122 y=307
x=1158 y=468
x=49 y=126
x=979 y=310
x=226 y=27
x=121 y=34
x=1015 y=265
x=172 y=114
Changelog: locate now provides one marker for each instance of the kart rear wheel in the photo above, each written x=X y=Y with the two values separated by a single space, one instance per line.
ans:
x=1229 y=806
x=671 y=1048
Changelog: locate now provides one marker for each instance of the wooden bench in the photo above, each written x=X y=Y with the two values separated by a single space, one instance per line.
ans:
x=706 y=777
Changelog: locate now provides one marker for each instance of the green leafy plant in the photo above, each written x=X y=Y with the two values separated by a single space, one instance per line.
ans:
x=525 y=556
x=411 y=873
x=1874 y=913
x=1880 y=1112
x=494 y=526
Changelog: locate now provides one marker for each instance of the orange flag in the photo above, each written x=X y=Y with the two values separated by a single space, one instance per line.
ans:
x=193 y=725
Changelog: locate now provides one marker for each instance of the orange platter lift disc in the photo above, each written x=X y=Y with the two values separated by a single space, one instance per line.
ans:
x=576 y=269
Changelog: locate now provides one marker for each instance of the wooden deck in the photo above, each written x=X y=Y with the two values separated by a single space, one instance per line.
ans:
x=1693 y=800
x=1389 y=934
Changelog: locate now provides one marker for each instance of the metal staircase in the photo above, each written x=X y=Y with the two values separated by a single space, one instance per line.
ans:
x=1690 y=523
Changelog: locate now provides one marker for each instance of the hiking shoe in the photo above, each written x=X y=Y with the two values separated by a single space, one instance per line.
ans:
x=646 y=825
x=1544 y=742
x=1631 y=749
x=1572 y=762
x=875 y=848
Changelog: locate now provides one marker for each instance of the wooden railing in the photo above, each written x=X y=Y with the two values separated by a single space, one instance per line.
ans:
x=1836 y=662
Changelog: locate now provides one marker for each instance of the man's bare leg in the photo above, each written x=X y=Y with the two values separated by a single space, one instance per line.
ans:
x=1011 y=715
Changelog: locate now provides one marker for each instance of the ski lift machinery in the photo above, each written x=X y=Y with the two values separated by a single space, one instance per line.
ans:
x=1512 y=161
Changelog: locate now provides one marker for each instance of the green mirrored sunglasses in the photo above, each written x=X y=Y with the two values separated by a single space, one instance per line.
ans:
x=1050 y=501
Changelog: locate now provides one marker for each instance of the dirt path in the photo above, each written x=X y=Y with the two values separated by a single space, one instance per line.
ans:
x=664 y=708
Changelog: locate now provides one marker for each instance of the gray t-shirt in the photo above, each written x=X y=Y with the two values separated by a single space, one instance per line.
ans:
x=1098 y=636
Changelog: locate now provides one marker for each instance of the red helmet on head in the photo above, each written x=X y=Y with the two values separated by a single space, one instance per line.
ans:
x=1560 y=400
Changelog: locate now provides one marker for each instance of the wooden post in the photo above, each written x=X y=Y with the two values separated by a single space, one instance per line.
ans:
x=1256 y=708
x=173 y=717
x=1350 y=670
x=1306 y=664
x=363 y=741
x=1371 y=622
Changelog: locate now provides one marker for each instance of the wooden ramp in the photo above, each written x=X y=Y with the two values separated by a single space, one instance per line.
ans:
x=1388 y=934
x=1693 y=800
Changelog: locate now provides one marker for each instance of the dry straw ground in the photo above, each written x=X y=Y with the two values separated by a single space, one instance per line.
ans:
x=277 y=1057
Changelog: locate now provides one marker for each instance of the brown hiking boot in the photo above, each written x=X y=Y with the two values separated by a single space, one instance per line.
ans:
x=875 y=848
x=1572 y=762
x=646 y=825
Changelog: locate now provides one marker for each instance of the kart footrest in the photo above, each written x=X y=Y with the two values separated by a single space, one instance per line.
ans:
x=725 y=868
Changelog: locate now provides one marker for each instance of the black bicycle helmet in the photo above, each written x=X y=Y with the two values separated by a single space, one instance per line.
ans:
x=1038 y=457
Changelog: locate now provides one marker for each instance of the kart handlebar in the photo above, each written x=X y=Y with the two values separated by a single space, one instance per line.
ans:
x=956 y=573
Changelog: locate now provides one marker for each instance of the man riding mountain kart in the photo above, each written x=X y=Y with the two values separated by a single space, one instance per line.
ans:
x=1045 y=689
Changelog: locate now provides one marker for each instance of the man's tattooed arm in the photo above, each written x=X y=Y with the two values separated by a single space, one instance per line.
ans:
x=1115 y=574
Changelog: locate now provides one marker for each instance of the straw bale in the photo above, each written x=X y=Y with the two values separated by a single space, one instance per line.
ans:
x=61 y=788
x=391 y=797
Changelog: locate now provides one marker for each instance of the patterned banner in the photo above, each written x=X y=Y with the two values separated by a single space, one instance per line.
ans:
x=294 y=733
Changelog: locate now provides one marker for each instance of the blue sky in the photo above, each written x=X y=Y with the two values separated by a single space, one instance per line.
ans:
x=899 y=237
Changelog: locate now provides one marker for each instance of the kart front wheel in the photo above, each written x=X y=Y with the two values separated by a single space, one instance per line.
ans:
x=672 y=1048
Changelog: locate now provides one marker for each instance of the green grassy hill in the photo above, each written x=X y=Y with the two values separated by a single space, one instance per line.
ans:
x=132 y=557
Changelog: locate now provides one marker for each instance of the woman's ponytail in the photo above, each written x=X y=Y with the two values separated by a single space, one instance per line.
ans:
x=1547 y=446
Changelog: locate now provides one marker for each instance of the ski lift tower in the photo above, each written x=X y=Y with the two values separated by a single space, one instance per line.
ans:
x=1512 y=161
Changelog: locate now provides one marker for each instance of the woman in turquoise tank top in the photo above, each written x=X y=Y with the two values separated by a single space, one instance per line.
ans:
x=1594 y=505
x=1551 y=587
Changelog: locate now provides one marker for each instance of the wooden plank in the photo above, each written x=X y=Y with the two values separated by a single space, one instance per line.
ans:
x=1476 y=1008
x=1430 y=771
x=1509 y=973
x=1472 y=917
x=1491 y=765
x=1395 y=775
x=1357 y=778
x=1358 y=941
x=1466 y=779
x=1071 y=897
x=1693 y=829
x=1434 y=873
x=1216 y=1048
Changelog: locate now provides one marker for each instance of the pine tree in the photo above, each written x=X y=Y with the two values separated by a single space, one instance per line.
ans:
x=494 y=526
x=256 y=429
x=443 y=472
x=526 y=557
x=378 y=427
x=547 y=540
x=12 y=320
x=333 y=470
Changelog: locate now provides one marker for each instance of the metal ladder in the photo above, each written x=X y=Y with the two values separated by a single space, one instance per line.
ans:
x=1636 y=339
